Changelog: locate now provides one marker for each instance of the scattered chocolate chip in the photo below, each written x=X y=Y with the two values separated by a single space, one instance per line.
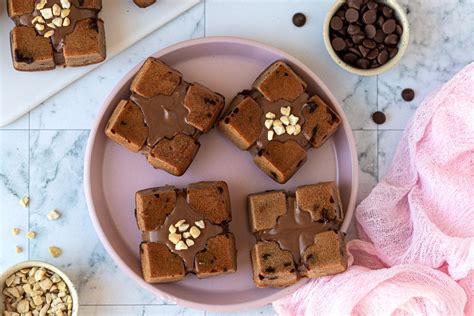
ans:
x=299 y=19
x=408 y=94
x=378 y=117
x=336 y=23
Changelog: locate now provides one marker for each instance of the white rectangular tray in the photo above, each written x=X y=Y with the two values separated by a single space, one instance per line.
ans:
x=125 y=24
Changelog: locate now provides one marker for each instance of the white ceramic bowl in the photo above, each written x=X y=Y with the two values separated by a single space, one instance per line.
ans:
x=39 y=264
x=402 y=45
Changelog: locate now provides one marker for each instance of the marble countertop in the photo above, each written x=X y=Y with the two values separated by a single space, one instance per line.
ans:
x=41 y=154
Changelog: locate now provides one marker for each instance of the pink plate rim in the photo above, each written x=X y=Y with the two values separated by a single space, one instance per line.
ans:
x=88 y=161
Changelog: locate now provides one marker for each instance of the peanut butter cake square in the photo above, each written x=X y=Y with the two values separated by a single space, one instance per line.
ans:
x=50 y=33
x=164 y=117
x=297 y=234
x=185 y=231
x=277 y=121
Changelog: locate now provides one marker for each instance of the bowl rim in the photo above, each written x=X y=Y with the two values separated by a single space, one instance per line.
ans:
x=88 y=165
x=40 y=264
x=402 y=46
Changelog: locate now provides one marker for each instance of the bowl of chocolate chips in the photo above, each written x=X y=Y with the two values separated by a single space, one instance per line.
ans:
x=366 y=37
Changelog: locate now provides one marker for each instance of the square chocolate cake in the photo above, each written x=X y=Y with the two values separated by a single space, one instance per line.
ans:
x=277 y=121
x=185 y=231
x=50 y=33
x=164 y=117
x=297 y=234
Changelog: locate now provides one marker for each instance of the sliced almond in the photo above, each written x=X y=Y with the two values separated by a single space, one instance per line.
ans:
x=39 y=27
x=66 y=21
x=65 y=4
x=47 y=13
x=200 y=224
x=51 y=25
x=268 y=124
x=41 y=4
x=186 y=234
x=189 y=242
x=23 y=307
x=55 y=251
x=174 y=238
x=195 y=232
x=277 y=123
x=24 y=201
x=56 y=10
x=39 y=275
x=58 y=22
x=49 y=34
x=285 y=110
x=181 y=246
x=183 y=227
x=293 y=119
x=279 y=130
x=172 y=229
x=290 y=129
x=37 y=19
x=179 y=223
x=285 y=120
x=270 y=135
x=65 y=12
x=270 y=115
x=297 y=129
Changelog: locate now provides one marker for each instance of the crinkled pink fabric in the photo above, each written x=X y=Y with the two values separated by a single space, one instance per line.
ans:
x=417 y=223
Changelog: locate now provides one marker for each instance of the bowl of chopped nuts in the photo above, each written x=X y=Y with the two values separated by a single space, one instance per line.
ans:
x=37 y=288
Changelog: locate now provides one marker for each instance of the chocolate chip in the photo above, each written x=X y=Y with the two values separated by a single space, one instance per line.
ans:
x=358 y=38
x=392 y=52
x=380 y=21
x=391 y=39
x=354 y=4
x=369 y=43
x=363 y=50
x=382 y=58
x=350 y=58
x=355 y=51
x=389 y=26
x=399 y=30
x=336 y=23
x=378 y=117
x=379 y=36
x=353 y=29
x=370 y=31
x=373 y=54
x=387 y=11
x=408 y=94
x=299 y=19
x=369 y=17
x=338 y=44
x=21 y=58
x=372 y=5
x=352 y=15
x=363 y=63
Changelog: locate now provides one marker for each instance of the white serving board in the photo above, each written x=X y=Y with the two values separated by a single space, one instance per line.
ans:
x=125 y=24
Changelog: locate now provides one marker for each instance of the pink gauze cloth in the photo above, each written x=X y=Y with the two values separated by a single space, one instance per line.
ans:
x=417 y=225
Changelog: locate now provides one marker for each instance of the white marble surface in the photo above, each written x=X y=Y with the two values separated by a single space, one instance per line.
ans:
x=41 y=155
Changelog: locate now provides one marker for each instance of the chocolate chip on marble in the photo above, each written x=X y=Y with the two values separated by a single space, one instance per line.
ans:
x=408 y=94
x=378 y=117
x=299 y=19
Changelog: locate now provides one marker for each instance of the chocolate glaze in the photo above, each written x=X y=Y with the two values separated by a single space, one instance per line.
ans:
x=181 y=211
x=295 y=230
x=165 y=115
x=76 y=14
x=274 y=107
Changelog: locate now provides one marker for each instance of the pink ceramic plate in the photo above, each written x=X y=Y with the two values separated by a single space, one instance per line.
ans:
x=113 y=174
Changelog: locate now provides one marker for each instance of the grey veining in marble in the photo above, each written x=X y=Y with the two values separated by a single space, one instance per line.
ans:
x=41 y=155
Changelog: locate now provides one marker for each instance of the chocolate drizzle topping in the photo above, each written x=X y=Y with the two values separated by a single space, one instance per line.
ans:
x=295 y=230
x=182 y=211
x=165 y=115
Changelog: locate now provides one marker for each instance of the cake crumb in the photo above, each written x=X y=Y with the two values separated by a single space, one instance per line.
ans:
x=31 y=235
x=15 y=231
x=18 y=249
x=24 y=201
x=55 y=251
